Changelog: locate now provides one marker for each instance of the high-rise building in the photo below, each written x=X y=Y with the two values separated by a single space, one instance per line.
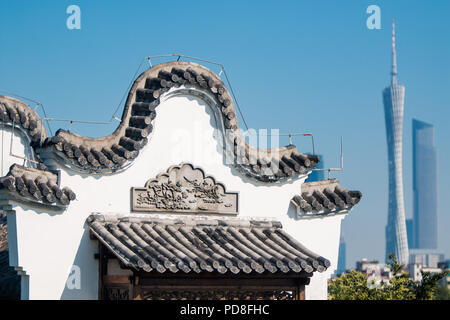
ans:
x=410 y=232
x=431 y=259
x=317 y=175
x=424 y=185
x=342 y=259
x=393 y=99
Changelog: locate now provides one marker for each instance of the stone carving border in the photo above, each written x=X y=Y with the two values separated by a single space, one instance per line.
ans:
x=185 y=189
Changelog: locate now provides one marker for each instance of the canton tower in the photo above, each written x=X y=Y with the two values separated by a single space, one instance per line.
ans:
x=393 y=100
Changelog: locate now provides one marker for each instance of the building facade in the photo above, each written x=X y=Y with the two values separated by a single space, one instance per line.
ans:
x=342 y=258
x=174 y=204
x=430 y=259
x=424 y=186
x=393 y=99
x=415 y=271
x=410 y=232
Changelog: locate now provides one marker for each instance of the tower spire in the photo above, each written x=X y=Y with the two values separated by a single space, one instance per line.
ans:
x=394 y=57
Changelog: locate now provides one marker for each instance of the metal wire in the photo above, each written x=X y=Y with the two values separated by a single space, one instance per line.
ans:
x=114 y=115
x=290 y=135
x=342 y=162
x=222 y=70
x=235 y=99
x=128 y=89
x=16 y=95
x=149 y=58
x=37 y=105
x=77 y=121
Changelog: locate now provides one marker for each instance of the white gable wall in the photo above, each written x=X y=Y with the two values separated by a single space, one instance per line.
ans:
x=50 y=243
x=13 y=142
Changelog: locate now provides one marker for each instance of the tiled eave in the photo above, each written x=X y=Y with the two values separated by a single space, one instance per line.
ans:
x=35 y=186
x=190 y=245
x=324 y=198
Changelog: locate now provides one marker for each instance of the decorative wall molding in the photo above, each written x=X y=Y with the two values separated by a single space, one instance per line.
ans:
x=186 y=189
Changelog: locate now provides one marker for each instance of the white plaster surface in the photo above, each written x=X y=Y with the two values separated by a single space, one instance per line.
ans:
x=49 y=243
x=19 y=145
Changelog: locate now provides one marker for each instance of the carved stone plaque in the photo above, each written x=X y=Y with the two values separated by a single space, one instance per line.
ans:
x=184 y=188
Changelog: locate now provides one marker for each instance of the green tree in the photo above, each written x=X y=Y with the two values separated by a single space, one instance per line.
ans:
x=351 y=286
x=442 y=293
x=355 y=286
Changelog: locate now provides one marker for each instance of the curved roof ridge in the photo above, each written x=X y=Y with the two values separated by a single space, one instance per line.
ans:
x=18 y=112
x=113 y=152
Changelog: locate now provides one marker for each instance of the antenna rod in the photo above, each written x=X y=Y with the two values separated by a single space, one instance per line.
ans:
x=394 y=57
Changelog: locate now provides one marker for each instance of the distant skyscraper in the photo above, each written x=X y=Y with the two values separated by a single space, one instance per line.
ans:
x=410 y=232
x=317 y=175
x=342 y=259
x=393 y=99
x=424 y=185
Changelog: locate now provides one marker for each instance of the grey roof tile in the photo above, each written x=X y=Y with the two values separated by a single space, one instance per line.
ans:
x=19 y=113
x=36 y=185
x=199 y=245
x=325 y=197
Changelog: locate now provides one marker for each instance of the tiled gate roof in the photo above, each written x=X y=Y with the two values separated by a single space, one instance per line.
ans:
x=204 y=245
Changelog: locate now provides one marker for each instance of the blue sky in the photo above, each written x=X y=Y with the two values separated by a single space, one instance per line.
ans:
x=300 y=66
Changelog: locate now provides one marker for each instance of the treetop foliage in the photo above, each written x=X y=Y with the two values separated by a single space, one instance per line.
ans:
x=356 y=285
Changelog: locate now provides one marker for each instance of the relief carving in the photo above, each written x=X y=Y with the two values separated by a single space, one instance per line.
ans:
x=218 y=294
x=117 y=294
x=184 y=188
